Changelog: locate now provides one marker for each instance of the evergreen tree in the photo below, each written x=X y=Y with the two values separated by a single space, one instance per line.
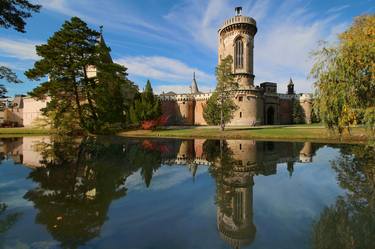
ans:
x=65 y=60
x=12 y=15
x=146 y=107
x=14 y=12
x=114 y=95
x=220 y=107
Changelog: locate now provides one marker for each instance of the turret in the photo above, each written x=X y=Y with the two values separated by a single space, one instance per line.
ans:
x=236 y=38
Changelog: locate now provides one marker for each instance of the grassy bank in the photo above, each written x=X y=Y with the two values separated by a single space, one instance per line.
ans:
x=21 y=131
x=291 y=132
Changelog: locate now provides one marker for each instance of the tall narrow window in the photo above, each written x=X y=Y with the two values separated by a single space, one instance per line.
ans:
x=238 y=53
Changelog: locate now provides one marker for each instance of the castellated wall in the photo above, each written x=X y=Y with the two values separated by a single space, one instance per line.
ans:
x=200 y=103
x=250 y=108
x=170 y=108
x=286 y=108
x=185 y=109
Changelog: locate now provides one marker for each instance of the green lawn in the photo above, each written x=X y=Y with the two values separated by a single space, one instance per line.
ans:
x=8 y=132
x=290 y=132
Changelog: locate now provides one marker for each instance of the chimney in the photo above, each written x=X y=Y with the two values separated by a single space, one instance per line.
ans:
x=238 y=11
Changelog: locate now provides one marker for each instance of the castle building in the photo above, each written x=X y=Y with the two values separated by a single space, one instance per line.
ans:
x=257 y=105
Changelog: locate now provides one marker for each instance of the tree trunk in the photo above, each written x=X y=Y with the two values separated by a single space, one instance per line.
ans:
x=81 y=120
x=222 y=124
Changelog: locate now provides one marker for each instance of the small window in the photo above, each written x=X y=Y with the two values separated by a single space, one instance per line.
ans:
x=183 y=103
x=240 y=146
x=240 y=99
x=240 y=114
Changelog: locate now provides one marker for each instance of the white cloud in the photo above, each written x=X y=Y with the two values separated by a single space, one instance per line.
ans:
x=338 y=8
x=287 y=33
x=282 y=48
x=162 y=69
x=96 y=12
x=20 y=49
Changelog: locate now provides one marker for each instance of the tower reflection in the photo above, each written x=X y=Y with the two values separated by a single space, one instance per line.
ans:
x=79 y=179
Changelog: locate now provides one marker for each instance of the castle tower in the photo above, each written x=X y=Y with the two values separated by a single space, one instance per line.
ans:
x=236 y=38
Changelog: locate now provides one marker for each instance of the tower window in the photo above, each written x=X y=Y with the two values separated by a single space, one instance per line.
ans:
x=238 y=53
x=240 y=99
x=240 y=114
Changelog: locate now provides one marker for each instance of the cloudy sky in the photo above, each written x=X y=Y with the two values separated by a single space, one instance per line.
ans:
x=167 y=40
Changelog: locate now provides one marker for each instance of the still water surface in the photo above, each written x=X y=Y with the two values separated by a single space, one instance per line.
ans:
x=109 y=192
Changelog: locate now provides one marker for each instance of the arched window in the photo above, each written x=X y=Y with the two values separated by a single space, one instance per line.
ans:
x=238 y=53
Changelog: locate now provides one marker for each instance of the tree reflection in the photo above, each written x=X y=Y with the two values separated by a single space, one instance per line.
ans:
x=350 y=223
x=7 y=220
x=78 y=182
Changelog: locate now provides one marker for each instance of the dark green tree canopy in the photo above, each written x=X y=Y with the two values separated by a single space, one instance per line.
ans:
x=14 y=12
x=147 y=106
x=87 y=89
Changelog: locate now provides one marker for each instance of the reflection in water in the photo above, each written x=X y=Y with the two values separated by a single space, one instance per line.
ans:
x=350 y=222
x=78 y=179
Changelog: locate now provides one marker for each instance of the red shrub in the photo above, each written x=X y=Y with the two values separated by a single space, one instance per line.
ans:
x=151 y=124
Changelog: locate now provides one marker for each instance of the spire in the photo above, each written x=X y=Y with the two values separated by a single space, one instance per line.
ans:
x=102 y=43
x=291 y=81
x=194 y=85
x=290 y=86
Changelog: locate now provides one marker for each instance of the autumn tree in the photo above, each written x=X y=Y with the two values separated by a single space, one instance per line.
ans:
x=220 y=107
x=345 y=77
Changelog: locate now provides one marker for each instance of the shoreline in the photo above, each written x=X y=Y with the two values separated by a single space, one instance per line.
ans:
x=295 y=133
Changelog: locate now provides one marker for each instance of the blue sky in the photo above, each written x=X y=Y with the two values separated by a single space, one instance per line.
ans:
x=167 y=40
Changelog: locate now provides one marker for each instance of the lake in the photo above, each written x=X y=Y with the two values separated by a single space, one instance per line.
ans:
x=111 y=192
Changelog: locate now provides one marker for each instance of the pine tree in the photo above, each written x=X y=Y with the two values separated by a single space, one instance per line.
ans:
x=14 y=12
x=12 y=15
x=115 y=94
x=147 y=106
x=64 y=59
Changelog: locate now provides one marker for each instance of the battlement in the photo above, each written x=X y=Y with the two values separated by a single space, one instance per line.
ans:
x=238 y=20
x=185 y=97
x=286 y=96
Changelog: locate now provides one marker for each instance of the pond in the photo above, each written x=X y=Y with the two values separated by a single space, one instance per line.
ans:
x=111 y=192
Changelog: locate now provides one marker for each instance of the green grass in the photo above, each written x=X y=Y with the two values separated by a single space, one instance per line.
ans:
x=290 y=132
x=7 y=132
